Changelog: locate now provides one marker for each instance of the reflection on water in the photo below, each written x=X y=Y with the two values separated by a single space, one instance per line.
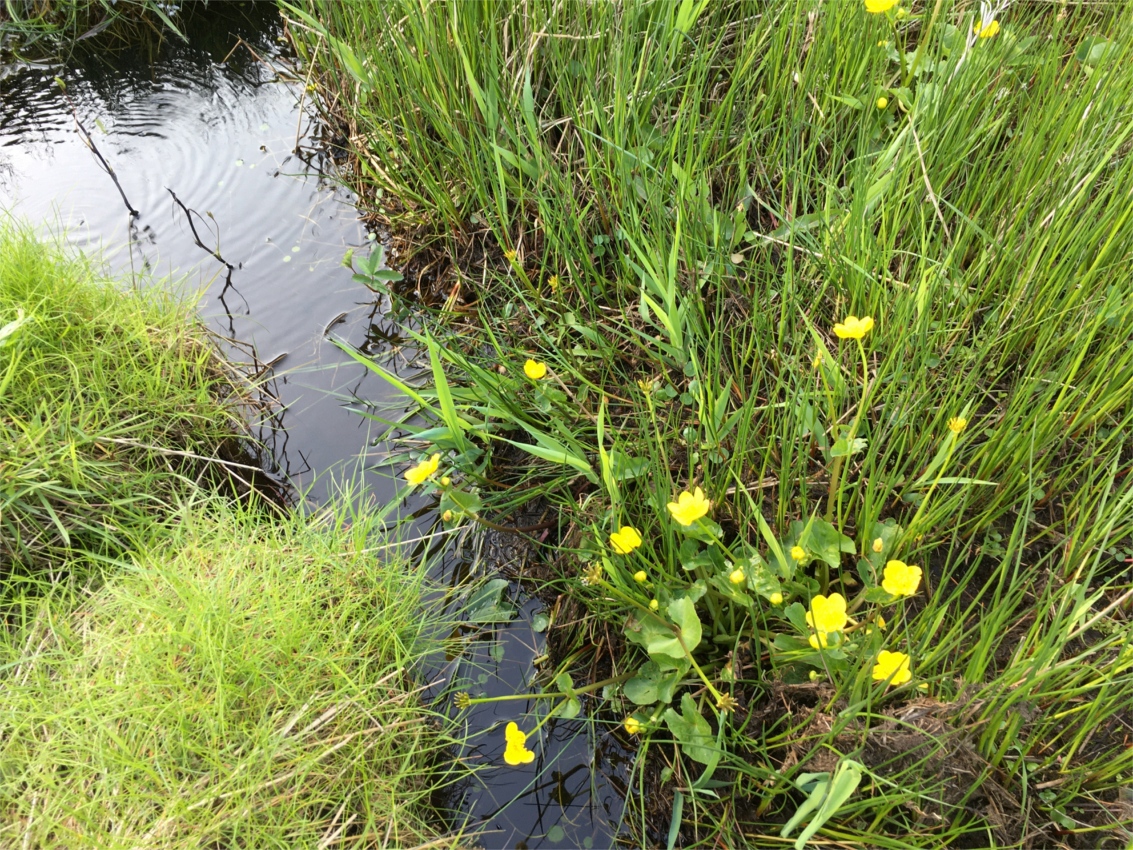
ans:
x=210 y=147
x=217 y=152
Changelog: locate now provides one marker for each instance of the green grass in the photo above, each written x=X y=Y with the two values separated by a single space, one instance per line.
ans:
x=113 y=403
x=233 y=683
x=671 y=205
x=33 y=29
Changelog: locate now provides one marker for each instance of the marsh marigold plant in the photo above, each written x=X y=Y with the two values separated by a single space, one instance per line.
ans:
x=421 y=472
x=516 y=752
x=689 y=507
x=895 y=664
x=853 y=327
x=901 y=579
x=625 y=539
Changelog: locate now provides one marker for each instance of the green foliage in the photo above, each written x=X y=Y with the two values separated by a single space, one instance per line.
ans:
x=671 y=205
x=232 y=683
x=111 y=404
x=33 y=29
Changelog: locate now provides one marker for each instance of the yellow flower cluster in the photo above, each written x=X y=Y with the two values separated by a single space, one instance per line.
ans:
x=986 y=31
x=422 y=471
x=894 y=666
x=689 y=507
x=625 y=539
x=826 y=615
x=900 y=579
x=853 y=327
x=516 y=752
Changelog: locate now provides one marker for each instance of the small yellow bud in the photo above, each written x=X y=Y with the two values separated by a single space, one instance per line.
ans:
x=813 y=675
x=882 y=102
x=776 y=598
x=640 y=577
x=878 y=544
x=446 y=481
x=902 y=12
x=654 y=604
x=737 y=576
x=634 y=726
x=798 y=553
x=447 y=516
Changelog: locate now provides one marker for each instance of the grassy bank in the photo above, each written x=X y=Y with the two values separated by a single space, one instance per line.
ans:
x=178 y=667
x=32 y=29
x=114 y=404
x=234 y=683
x=643 y=229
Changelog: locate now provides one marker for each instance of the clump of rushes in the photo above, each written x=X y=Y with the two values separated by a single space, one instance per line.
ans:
x=113 y=402
x=714 y=228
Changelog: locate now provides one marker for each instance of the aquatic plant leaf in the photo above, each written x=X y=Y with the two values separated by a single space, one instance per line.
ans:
x=693 y=733
x=652 y=684
x=487 y=605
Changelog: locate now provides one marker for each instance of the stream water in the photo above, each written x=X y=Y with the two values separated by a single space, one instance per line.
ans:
x=222 y=184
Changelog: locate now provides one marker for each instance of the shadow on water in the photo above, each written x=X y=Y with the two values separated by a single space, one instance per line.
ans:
x=220 y=178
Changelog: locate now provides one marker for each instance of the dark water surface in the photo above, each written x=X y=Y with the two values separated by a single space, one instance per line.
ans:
x=218 y=128
x=220 y=135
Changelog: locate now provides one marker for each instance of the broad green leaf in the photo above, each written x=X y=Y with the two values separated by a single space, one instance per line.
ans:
x=693 y=733
x=652 y=684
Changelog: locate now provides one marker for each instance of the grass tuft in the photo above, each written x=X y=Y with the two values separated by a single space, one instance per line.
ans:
x=114 y=402
x=232 y=684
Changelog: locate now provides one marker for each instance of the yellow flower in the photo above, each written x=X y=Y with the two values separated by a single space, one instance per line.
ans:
x=510 y=254
x=625 y=539
x=737 y=576
x=515 y=753
x=876 y=7
x=553 y=282
x=957 y=424
x=534 y=369
x=882 y=102
x=776 y=598
x=818 y=640
x=592 y=574
x=447 y=516
x=689 y=507
x=798 y=553
x=634 y=726
x=654 y=604
x=881 y=622
x=986 y=32
x=878 y=544
x=827 y=614
x=895 y=664
x=640 y=577
x=463 y=700
x=423 y=470
x=853 y=327
x=901 y=579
